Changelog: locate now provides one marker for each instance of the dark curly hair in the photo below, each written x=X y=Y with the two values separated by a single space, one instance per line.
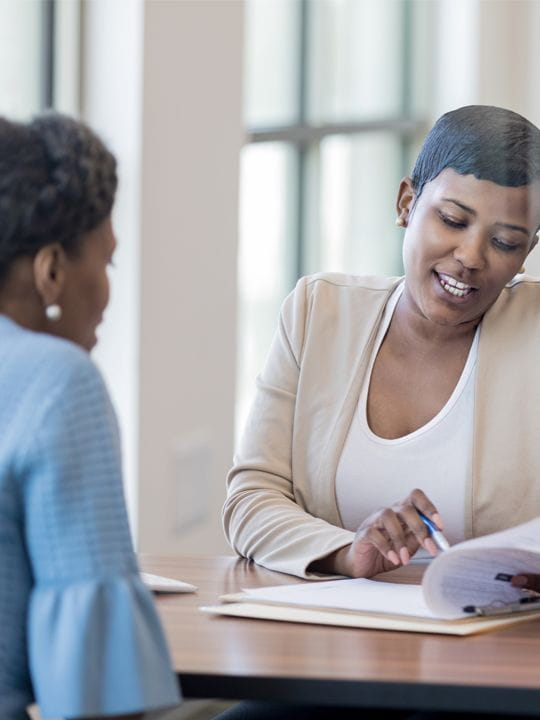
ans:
x=57 y=182
x=489 y=142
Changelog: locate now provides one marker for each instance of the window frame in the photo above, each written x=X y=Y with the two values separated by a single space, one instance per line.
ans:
x=304 y=136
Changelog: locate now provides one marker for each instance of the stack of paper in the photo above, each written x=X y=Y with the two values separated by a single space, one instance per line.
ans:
x=473 y=574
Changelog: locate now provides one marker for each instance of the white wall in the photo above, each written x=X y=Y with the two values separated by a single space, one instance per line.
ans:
x=162 y=83
x=111 y=101
x=487 y=52
x=509 y=65
x=192 y=124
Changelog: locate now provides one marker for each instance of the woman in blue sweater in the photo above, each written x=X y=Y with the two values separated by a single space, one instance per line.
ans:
x=79 y=632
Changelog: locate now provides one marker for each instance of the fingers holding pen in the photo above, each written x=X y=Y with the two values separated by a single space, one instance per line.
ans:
x=420 y=501
x=389 y=538
x=389 y=535
x=397 y=532
x=416 y=527
x=380 y=541
x=424 y=519
x=405 y=527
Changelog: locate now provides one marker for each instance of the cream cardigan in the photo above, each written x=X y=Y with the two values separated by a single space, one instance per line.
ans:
x=281 y=507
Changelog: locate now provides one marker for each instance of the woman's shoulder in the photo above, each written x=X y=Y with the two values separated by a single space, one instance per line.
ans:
x=367 y=283
x=524 y=284
x=335 y=291
x=32 y=347
x=40 y=364
x=523 y=291
x=334 y=302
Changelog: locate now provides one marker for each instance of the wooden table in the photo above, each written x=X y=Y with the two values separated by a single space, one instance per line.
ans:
x=232 y=658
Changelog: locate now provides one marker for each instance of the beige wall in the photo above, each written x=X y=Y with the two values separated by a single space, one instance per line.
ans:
x=162 y=82
x=192 y=138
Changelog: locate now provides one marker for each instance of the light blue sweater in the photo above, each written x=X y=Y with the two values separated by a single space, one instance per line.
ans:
x=79 y=634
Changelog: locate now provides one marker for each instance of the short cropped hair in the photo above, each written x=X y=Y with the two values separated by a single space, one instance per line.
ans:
x=57 y=182
x=488 y=142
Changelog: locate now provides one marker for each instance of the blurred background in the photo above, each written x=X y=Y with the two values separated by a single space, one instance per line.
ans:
x=258 y=140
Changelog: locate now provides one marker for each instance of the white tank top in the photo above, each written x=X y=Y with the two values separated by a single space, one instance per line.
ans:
x=375 y=472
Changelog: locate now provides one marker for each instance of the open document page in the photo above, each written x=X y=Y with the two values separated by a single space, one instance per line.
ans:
x=357 y=594
x=473 y=573
x=477 y=572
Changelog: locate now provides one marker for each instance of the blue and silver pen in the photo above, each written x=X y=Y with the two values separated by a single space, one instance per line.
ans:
x=439 y=539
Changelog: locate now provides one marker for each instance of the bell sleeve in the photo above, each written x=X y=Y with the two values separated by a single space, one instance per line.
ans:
x=95 y=643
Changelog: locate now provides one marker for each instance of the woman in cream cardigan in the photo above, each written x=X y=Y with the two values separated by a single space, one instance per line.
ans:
x=382 y=397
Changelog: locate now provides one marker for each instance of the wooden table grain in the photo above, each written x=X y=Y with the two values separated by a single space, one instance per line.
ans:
x=233 y=658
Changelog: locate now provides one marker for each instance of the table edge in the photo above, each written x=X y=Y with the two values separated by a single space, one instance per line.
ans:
x=353 y=693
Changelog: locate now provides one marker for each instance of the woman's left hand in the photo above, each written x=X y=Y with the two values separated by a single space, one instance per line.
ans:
x=527 y=581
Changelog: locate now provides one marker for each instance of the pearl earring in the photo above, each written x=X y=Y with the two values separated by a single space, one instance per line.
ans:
x=53 y=312
x=400 y=222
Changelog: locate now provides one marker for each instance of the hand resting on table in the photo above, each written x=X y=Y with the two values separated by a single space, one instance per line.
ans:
x=385 y=540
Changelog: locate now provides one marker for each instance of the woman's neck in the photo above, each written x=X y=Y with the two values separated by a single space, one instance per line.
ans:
x=414 y=328
x=19 y=299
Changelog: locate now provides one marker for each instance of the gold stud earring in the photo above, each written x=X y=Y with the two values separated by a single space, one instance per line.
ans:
x=400 y=222
x=522 y=270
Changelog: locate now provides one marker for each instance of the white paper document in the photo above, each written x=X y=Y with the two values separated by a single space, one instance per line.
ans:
x=158 y=583
x=470 y=573
x=356 y=594
x=473 y=573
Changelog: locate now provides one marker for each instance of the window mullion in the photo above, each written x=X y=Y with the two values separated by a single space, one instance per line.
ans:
x=301 y=146
x=47 y=83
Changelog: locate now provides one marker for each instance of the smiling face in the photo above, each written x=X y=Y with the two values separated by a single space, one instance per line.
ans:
x=465 y=240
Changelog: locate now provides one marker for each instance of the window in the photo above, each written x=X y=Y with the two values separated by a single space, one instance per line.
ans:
x=335 y=96
x=25 y=57
x=39 y=56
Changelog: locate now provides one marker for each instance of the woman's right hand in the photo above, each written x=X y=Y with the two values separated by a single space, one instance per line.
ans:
x=387 y=539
